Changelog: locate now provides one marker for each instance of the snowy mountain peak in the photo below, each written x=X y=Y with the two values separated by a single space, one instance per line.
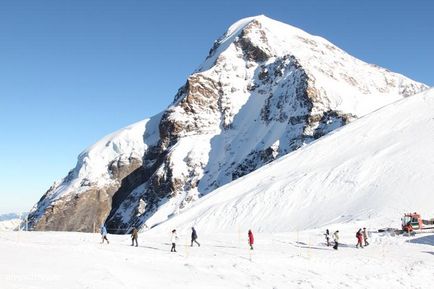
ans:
x=260 y=22
x=265 y=90
x=261 y=41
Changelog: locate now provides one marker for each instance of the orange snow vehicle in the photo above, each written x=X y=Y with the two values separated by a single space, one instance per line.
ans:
x=412 y=222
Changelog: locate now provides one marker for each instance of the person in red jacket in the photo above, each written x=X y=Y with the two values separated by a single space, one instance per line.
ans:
x=359 y=237
x=251 y=239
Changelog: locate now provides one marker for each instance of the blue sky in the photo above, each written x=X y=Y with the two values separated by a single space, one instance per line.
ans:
x=74 y=71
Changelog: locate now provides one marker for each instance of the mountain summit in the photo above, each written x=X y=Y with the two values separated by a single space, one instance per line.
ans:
x=265 y=89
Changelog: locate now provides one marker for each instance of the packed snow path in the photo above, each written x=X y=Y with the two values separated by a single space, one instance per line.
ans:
x=296 y=260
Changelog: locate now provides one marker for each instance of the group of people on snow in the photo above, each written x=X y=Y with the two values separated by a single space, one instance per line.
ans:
x=134 y=236
x=335 y=238
x=173 y=239
x=361 y=235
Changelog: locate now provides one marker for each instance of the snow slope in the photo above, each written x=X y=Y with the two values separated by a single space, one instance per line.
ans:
x=52 y=260
x=372 y=170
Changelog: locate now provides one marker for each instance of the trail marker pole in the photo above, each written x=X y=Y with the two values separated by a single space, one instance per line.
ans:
x=187 y=250
x=298 y=245
x=309 y=249
x=239 y=236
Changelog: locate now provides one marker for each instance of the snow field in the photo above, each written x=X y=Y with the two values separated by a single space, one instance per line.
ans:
x=289 y=260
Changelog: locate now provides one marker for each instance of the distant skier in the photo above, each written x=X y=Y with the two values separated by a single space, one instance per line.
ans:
x=359 y=237
x=365 y=237
x=134 y=236
x=327 y=236
x=104 y=234
x=194 y=237
x=336 y=239
x=251 y=239
x=173 y=239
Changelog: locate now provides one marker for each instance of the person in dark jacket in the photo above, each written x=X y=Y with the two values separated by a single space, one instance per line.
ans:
x=194 y=237
x=359 y=237
x=173 y=240
x=134 y=236
x=327 y=236
x=251 y=239
x=365 y=237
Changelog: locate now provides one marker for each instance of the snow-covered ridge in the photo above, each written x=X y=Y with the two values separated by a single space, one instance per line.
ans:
x=100 y=165
x=93 y=162
x=372 y=170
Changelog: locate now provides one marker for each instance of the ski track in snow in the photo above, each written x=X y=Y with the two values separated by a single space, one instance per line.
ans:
x=291 y=260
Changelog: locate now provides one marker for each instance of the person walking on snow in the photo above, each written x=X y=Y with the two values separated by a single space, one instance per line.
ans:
x=134 y=236
x=327 y=236
x=251 y=239
x=173 y=240
x=359 y=237
x=336 y=239
x=194 y=237
x=104 y=234
x=365 y=237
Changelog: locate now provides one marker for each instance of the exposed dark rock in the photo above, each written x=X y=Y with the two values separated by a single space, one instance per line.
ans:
x=89 y=209
x=83 y=211
x=253 y=161
x=330 y=121
x=251 y=51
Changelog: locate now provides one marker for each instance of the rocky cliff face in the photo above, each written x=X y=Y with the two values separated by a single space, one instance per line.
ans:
x=264 y=90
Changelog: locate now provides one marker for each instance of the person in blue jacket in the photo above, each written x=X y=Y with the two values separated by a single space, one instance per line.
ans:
x=104 y=234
